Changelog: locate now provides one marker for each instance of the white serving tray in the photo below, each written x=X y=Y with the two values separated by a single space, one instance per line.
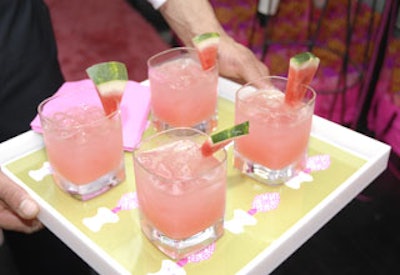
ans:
x=273 y=234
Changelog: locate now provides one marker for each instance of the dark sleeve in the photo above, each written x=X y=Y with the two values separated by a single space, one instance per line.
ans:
x=29 y=70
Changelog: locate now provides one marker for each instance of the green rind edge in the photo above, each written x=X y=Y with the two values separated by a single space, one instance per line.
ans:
x=112 y=86
x=206 y=39
x=107 y=71
x=235 y=131
x=304 y=59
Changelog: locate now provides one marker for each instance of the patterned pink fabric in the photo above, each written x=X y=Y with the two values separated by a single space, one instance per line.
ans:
x=295 y=21
x=384 y=117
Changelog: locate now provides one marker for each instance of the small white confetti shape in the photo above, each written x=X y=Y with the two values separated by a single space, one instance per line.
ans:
x=169 y=267
x=240 y=219
x=295 y=182
x=103 y=216
x=40 y=173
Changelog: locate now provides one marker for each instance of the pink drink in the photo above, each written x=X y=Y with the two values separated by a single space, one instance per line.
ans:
x=181 y=193
x=84 y=148
x=85 y=154
x=279 y=133
x=182 y=93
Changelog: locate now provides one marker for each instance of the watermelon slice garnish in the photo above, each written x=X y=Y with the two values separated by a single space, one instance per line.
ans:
x=220 y=139
x=207 y=48
x=302 y=69
x=110 y=79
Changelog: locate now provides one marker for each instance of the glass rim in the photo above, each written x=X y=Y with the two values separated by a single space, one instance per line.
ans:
x=135 y=152
x=280 y=78
x=48 y=118
x=189 y=49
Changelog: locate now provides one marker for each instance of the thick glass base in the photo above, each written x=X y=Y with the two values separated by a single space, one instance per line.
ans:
x=206 y=126
x=264 y=174
x=181 y=248
x=90 y=190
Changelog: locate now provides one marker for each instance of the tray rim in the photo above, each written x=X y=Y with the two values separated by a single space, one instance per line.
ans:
x=374 y=152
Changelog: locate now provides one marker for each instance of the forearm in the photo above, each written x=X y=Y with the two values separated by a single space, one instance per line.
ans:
x=188 y=18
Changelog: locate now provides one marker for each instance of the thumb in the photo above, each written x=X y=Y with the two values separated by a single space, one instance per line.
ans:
x=17 y=199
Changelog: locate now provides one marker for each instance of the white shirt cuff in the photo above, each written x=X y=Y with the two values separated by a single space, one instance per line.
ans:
x=156 y=3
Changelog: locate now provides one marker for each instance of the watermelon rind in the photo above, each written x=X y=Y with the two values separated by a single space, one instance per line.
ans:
x=111 y=87
x=111 y=72
x=219 y=140
x=232 y=132
x=303 y=60
x=206 y=39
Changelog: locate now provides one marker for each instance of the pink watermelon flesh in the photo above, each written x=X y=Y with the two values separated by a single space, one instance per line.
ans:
x=111 y=101
x=208 y=56
x=298 y=79
x=208 y=148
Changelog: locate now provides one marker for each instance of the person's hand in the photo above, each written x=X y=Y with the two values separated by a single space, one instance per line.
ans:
x=190 y=18
x=18 y=211
x=238 y=62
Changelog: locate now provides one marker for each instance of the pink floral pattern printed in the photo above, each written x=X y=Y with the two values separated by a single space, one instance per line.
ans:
x=199 y=256
x=127 y=202
x=265 y=202
x=318 y=163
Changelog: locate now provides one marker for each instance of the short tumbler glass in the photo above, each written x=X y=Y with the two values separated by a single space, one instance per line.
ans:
x=83 y=145
x=183 y=94
x=276 y=147
x=181 y=193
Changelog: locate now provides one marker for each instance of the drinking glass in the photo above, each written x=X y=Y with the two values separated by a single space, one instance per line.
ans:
x=182 y=93
x=83 y=145
x=181 y=193
x=276 y=147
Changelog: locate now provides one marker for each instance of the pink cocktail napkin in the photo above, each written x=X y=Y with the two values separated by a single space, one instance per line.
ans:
x=135 y=108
